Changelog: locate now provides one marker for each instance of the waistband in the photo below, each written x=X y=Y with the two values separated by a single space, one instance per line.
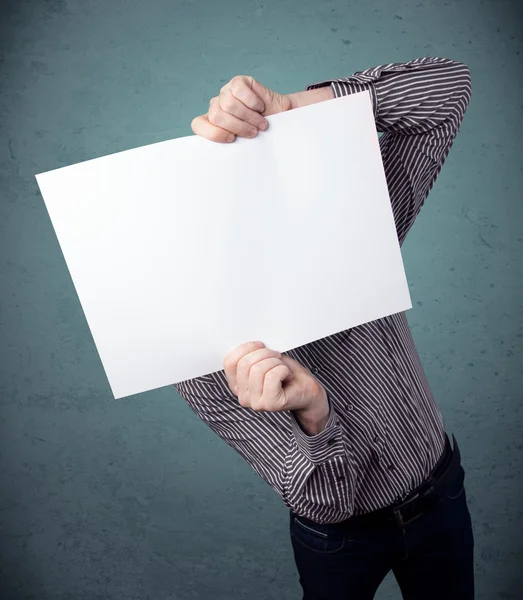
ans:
x=418 y=500
x=428 y=493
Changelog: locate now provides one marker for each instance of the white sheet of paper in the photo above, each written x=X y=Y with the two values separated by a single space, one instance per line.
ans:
x=182 y=250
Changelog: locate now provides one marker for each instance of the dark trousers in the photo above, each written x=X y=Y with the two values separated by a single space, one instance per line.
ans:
x=431 y=556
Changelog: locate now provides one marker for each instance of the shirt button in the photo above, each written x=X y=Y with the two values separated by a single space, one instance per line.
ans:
x=391 y=467
x=331 y=441
x=315 y=370
x=350 y=406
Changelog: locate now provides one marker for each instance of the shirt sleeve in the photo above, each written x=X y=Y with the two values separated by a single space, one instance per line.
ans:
x=419 y=107
x=308 y=472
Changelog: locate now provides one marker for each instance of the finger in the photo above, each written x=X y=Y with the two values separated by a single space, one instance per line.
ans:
x=201 y=126
x=233 y=106
x=241 y=88
x=257 y=374
x=217 y=116
x=230 y=362
x=244 y=366
x=273 y=397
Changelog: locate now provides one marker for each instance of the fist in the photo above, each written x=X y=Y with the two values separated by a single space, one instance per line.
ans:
x=239 y=109
x=264 y=379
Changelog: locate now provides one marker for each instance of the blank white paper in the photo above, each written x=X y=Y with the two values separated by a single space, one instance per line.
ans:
x=182 y=250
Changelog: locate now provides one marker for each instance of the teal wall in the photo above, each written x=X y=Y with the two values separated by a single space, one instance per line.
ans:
x=136 y=499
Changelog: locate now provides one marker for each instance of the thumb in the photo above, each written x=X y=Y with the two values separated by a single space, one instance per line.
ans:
x=294 y=366
x=273 y=101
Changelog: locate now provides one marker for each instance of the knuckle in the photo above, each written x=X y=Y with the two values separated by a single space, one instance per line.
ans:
x=236 y=80
x=256 y=369
x=243 y=402
x=213 y=116
x=227 y=103
x=228 y=363
x=246 y=360
x=237 y=84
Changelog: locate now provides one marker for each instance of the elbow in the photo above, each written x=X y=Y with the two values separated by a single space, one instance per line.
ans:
x=467 y=85
x=464 y=83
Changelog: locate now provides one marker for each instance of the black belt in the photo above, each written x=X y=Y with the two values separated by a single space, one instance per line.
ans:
x=429 y=493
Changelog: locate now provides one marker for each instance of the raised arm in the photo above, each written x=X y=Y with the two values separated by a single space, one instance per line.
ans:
x=419 y=107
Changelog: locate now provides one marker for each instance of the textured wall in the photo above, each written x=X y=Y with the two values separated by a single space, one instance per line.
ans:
x=136 y=499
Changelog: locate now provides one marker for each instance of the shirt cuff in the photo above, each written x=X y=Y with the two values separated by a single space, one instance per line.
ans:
x=323 y=446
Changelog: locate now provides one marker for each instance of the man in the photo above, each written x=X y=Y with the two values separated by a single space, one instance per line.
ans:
x=345 y=429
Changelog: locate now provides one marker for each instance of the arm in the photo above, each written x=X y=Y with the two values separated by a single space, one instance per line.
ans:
x=315 y=419
x=275 y=445
x=419 y=107
x=311 y=96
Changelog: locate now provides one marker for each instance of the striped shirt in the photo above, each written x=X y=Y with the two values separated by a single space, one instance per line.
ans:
x=385 y=431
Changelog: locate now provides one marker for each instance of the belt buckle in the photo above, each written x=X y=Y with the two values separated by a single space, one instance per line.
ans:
x=398 y=516
x=400 y=519
x=397 y=512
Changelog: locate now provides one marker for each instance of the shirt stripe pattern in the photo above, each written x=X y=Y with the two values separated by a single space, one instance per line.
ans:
x=385 y=431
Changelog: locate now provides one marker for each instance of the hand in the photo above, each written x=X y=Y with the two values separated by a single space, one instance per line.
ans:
x=239 y=110
x=264 y=379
